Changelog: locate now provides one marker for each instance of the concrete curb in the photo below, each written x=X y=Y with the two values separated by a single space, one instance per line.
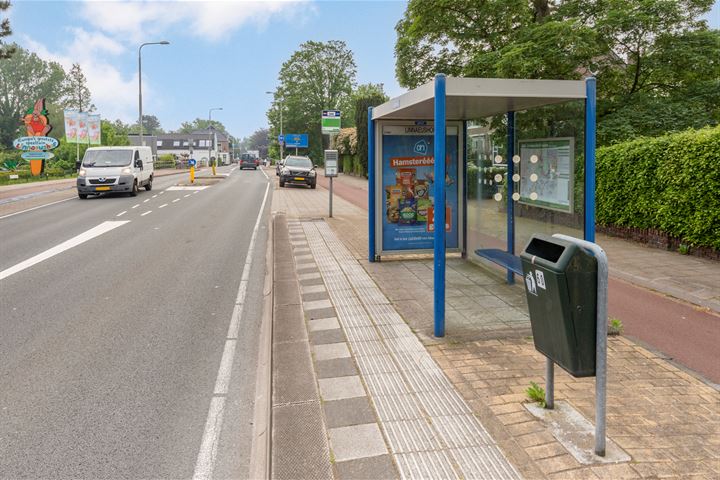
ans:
x=260 y=453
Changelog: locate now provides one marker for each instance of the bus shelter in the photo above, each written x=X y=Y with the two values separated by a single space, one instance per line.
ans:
x=519 y=158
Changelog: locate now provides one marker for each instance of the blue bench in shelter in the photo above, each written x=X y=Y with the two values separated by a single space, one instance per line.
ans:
x=502 y=258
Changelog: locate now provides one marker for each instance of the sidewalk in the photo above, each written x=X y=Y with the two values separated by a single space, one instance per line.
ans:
x=692 y=279
x=379 y=322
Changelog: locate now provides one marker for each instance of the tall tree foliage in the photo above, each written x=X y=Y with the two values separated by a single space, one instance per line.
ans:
x=25 y=77
x=370 y=96
x=650 y=56
x=201 y=124
x=5 y=50
x=318 y=76
x=78 y=93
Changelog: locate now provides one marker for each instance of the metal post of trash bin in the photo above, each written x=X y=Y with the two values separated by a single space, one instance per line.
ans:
x=549 y=383
x=600 y=340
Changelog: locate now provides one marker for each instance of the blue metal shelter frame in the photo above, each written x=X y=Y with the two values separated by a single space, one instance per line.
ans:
x=465 y=99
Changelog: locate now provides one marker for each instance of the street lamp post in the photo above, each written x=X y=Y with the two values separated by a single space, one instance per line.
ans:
x=210 y=142
x=164 y=42
x=280 y=100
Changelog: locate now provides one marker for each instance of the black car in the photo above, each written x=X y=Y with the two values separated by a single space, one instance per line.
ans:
x=299 y=170
x=247 y=161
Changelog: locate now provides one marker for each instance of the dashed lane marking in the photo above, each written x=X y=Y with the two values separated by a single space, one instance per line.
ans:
x=146 y=213
x=121 y=213
x=163 y=205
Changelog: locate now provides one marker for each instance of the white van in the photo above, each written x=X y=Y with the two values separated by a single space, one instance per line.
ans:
x=115 y=169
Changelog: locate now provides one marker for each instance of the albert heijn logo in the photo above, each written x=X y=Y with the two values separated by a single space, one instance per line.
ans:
x=421 y=147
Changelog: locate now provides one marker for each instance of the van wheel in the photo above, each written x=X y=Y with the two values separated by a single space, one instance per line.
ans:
x=148 y=186
x=134 y=189
x=83 y=196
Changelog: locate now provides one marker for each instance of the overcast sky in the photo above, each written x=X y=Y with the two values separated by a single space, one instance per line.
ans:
x=222 y=54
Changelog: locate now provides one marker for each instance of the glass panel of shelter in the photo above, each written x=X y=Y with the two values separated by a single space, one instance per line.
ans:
x=548 y=180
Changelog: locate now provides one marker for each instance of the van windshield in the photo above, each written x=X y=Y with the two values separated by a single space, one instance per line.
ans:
x=107 y=158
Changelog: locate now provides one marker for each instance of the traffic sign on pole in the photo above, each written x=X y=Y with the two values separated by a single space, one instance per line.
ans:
x=330 y=122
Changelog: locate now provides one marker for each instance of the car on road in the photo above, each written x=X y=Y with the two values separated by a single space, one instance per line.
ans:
x=115 y=169
x=247 y=161
x=298 y=170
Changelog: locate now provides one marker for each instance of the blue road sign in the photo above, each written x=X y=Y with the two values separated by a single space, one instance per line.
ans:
x=299 y=140
x=281 y=138
x=192 y=162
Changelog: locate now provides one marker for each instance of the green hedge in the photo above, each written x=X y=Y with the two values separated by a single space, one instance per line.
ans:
x=670 y=183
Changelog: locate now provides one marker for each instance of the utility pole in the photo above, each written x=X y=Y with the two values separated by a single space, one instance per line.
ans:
x=210 y=138
x=164 y=42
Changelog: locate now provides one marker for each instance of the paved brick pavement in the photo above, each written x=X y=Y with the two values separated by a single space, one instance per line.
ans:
x=665 y=418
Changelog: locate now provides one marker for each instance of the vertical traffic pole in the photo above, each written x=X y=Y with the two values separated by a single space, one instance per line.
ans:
x=590 y=111
x=439 y=207
x=331 y=179
x=371 y=184
x=192 y=174
x=510 y=187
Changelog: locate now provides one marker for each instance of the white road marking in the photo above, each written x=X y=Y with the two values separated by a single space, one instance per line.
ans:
x=188 y=188
x=154 y=195
x=163 y=205
x=186 y=195
x=35 y=208
x=162 y=192
x=146 y=213
x=205 y=464
x=176 y=200
x=121 y=213
x=66 y=245
x=136 y=205
x=263 y=172
x=145 y=201
x=196 y=191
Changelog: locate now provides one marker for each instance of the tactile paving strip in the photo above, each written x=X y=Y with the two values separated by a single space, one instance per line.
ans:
x=429 y=427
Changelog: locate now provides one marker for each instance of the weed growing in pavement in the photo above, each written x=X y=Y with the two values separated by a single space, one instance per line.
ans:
x=684 y=249
x=616 y=327
x=536 y=394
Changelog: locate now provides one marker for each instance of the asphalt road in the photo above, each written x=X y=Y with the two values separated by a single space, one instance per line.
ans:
x=110 y=349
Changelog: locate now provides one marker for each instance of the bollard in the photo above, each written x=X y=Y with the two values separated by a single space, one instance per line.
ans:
x=192 y=174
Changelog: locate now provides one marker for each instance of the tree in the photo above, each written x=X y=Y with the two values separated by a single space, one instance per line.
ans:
x=259 y=140
x=643 y=52
x=318 y=76
x=151 y=126
x=201 y=124
x=78 y=93
x=364 y=99
x=24 y=78
x=5 y=50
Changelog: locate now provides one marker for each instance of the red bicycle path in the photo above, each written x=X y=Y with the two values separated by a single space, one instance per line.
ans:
x=684 y=333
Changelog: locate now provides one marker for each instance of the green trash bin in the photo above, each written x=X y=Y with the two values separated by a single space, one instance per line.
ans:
x=561 y=287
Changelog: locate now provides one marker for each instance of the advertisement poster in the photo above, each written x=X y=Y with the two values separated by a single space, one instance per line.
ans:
x=93 y=123
x=408 y=187
x=546 y=173
x=71 y=126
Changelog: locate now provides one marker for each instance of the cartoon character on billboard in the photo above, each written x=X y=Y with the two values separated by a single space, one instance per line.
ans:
x=36 y=121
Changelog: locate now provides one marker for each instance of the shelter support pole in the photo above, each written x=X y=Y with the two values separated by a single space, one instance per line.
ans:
x=371 y=185
x=590 y=112
x=465 y=189
x=439 y=208
x=510 y=187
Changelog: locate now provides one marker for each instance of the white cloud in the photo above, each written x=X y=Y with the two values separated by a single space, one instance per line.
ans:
x=114 y=95
x=211 y=20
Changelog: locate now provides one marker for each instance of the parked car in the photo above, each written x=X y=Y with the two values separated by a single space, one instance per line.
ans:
x=247 y=161
x=115 y=169
x=298 y=170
